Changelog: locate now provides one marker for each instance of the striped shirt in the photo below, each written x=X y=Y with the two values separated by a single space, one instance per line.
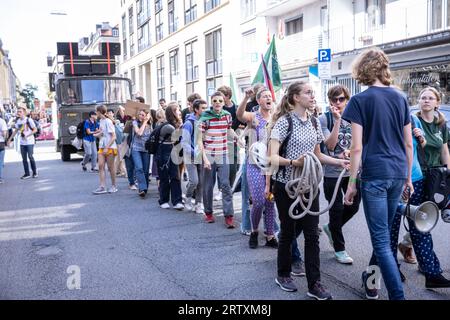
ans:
x=215 y=135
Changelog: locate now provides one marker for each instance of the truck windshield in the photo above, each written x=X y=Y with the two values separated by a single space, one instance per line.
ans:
x=92 y=91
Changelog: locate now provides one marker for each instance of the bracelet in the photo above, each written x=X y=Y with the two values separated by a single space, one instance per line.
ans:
x=290 y=163
x=353 y=180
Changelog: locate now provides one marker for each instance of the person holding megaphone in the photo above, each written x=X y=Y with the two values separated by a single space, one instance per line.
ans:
x=422 y=242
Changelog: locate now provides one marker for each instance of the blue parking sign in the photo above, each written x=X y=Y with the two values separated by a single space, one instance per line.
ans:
x=324 y=55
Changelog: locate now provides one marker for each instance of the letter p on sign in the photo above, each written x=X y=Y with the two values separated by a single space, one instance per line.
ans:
x=324 y=55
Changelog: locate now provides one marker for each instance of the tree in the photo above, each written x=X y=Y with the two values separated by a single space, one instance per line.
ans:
x=28 y=95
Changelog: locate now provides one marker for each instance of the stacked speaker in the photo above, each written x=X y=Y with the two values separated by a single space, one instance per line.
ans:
x=78 y=65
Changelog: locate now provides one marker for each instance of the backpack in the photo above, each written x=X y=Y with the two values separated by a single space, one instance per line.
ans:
x=153 y=142
x=80 y=130
x=38 y=128
x=119 y=134
x=330 y=125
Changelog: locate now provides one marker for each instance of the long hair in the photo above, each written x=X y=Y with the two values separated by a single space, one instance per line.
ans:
x=441 y=118
x=171 y=116
x=150 y=121
x=287 y=103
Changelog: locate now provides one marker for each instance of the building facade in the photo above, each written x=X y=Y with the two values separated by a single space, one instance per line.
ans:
x=103 y=33
x=172 y=48
x=8 y=80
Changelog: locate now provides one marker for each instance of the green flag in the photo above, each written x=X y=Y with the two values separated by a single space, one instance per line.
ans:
x=273 y=67
x=233 y=89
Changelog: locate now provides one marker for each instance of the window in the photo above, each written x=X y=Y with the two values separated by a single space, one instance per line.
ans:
x=124 y=36
x=190 y=11
x=133 y=79
x=191 y=68
x=143 y=11
x=376 y=13
x=160 y=77
x=144 y=41
x=158 y=5
x=324 y=18
x=211 y=4
x=173 y=65
x=130 y=21
x=249 y=52
x=294 y=26
x=213 y=45
x=132 y=47
x=248 y=8
x=172 y=19
x=159 y=26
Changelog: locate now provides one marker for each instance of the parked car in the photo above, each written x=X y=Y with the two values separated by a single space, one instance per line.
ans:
x=445 y=109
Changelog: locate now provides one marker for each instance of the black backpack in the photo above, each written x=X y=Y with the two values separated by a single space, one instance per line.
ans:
x=153 y=142
x=80 y=130
x=38 y=127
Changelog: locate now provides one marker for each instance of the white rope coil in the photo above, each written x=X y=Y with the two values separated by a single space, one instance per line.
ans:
x=304 y=187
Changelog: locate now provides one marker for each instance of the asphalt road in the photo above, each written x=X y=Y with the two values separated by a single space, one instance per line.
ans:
x=128 y=248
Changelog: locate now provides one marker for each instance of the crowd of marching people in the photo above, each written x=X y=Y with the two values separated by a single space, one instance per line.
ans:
x=372 y=151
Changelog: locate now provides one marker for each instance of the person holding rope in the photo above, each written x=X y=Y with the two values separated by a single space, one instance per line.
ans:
x=295 y=135
x=382 y=144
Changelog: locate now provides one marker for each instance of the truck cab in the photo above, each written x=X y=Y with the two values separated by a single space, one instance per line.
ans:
x=76 y=96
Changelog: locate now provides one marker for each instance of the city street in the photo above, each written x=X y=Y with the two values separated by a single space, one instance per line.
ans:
x=129 y=248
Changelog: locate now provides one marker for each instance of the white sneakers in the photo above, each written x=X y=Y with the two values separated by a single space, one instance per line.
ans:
x=165 y=206
x=343 y=257
x=188 y=204
x=179 y=206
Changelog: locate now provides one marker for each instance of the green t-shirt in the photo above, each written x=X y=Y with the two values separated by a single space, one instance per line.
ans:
x=436 y=136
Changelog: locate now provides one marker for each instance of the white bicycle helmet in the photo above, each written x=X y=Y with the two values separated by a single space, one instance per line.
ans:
x=258 y=155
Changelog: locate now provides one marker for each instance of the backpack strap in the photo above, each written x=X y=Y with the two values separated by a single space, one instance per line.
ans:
x=330 y=120
x=283 y=148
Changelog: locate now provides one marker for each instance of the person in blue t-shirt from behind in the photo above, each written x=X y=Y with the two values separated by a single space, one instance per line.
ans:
x=382 y=145
x=91 y=127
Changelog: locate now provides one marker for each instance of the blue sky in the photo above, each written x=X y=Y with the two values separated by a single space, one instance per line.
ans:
x=29 y=32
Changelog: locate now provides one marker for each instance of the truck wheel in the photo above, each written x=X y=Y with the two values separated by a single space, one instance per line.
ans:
x=65 y=153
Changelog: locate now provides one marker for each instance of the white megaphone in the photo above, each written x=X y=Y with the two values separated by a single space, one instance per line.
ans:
x=425 y=216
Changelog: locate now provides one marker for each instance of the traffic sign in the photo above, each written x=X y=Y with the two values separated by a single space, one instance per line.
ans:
x=324 y=55
x=324 y=67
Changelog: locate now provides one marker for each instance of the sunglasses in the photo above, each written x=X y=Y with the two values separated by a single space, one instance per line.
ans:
x=340 y=99
x=217 y=101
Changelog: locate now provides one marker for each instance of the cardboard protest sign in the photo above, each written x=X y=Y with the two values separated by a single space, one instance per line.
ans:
x=132 y=108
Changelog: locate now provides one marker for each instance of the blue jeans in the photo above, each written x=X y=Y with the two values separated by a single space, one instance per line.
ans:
x=2 y=163
x=245 y=224
x=27 y=151
x=141 y=162
x=90 y=153
x=380 y=200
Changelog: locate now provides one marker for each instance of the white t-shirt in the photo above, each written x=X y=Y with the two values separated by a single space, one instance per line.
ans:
x=26 y=127
x=3 y=128
x=107 y=128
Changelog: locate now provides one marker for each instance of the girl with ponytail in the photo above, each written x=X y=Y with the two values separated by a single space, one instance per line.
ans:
x=295 y=132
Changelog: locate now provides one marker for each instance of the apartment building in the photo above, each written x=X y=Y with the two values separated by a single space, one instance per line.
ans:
x=104 y=32
x=414 y=33
x=171 y=49
x=8 y=80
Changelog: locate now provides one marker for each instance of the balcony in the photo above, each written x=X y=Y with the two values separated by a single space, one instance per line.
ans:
x=306 y=46
x=277 y=8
